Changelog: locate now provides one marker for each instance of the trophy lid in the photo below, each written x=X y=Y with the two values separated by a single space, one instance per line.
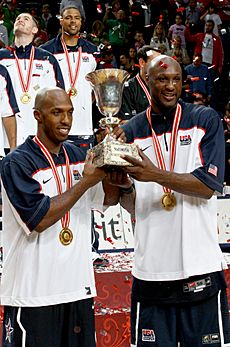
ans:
x=105 y=75
x=108 y=86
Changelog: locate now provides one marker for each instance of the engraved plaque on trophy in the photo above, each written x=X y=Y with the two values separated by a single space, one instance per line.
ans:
x=108 y=86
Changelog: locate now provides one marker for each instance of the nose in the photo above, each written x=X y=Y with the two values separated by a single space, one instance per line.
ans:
x=66 y=118
x=170 y=84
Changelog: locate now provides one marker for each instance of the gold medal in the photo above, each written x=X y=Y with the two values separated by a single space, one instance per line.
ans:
x=168 y=201
x=66 y=236
x=25 y=98
x=72 y=91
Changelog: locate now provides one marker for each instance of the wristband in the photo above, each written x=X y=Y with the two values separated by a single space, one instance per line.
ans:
x=127 y=190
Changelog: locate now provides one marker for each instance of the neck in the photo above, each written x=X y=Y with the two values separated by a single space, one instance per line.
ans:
x=50 y=146
x=70 y=40
x=23 y=40
x=143 y=75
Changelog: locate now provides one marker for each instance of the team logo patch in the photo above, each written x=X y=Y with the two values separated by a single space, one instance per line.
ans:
x=76 y=175
x=197 y=286
x=85 y=59
x=210 y=338
x=148 y=335
x=39 y=66
x=185 y=140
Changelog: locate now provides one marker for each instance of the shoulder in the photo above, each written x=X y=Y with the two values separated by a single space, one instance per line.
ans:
x=75 y=153
x=198 y=115
x=5 y=53
x=87 y=46
x=51 y=45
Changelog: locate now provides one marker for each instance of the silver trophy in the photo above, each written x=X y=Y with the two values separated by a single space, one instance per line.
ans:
x=108 y=87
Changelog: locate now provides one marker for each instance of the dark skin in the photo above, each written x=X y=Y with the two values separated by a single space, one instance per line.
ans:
x=165 y=88
x=53 y=112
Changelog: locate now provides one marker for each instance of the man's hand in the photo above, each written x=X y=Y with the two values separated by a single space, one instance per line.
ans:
x=91 y=173
x=118 y=177
x=142 y=170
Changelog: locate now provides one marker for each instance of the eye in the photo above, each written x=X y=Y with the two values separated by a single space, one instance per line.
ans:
x=162 y=79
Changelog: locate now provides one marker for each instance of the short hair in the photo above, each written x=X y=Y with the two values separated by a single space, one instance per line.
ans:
x=142 y=52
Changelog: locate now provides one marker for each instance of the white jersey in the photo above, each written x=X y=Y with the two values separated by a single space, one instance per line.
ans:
x=45 y=73
x=82 y=102
x=183 y=242
x=38 y=270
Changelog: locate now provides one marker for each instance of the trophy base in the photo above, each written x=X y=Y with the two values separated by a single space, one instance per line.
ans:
x=109 y=153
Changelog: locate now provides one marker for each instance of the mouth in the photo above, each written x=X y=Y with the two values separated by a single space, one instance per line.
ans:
x=64 y=131
x=169 y=97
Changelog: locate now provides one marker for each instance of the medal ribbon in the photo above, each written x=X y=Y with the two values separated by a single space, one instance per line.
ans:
x=65 y=220
x=173 y=140
x=145 y=89
x=25 y=85
x=71 y=77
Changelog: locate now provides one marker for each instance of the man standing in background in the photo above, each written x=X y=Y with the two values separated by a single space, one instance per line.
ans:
x=76 y=57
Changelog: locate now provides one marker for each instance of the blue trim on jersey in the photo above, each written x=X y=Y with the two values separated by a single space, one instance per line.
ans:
x=23 y=191
x=54 y=46
x=9 y=89
x=212 y=146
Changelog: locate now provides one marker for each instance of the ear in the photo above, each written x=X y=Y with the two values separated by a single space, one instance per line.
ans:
x=142 y=63
x=38 y=116
x=34 y=30
x=61 y=21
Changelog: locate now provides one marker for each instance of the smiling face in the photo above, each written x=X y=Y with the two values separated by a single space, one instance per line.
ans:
x=71 y=21
x=25 y=24
x=165 y=83
x=54 y=113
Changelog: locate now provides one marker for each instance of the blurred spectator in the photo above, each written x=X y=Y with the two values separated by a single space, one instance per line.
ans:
x=53 y=25
x=136 y=97
x=208 y=45
x=118 y=33
x=11 y=11
x=3 y=31
x=98 y=35
x=138 y=14
x=198 y=99
x=46 y=15
x=199 y=76
x=139 y=39
x=111 y=11
x=192 y=16
x=42 y=34
x=211 y=14
x=106 y=61
x=175 y=7
x=159 y=37
x=177 y=29
x=133 y=55
x=179 y=52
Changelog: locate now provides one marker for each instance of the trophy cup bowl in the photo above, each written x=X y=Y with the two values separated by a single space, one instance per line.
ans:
x=108 y=87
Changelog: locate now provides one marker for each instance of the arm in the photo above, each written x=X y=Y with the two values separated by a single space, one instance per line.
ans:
x=118 y=188
x=10 y=126
x=186 y=183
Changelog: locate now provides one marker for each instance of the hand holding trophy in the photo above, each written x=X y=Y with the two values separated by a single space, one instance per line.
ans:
x=108 y=86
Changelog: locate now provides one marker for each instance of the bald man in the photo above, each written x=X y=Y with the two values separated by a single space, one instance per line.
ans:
x=179 y=292
x=47 y=282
